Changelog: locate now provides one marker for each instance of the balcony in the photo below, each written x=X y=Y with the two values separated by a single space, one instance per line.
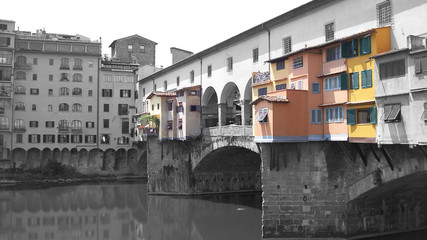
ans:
x=64 y=67
x=19 y=129
x=260 y=78
x=77 y=68
x=76 y=130
x=63 y=129
x=26 y=66
x=335 y=66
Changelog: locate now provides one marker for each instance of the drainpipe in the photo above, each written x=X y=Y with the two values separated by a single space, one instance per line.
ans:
x=201 y=109
x=269 y=47
x=12 y=78
x=97 y=103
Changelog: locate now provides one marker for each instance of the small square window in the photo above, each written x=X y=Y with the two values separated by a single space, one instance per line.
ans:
x=19 y=138
x=287 y=44
x=130 y=48
x=89 y=108
x=89 y=93
x=230 y=64
x=209 y=70
x=34 y=107
x=280 y=65
x=255 y=53
x=141 y=48
x=329 y=31
x=34 y=124
x=51 y=62
x=34 y=91
x=34 y=77
x=90 y=79
x=35 y=61
x=315 y=87
x=50 y=77
x=106 y=123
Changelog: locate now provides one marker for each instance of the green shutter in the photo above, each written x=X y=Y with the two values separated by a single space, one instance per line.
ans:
x=366 y=45
x=354 y=48
x=351 y=116
x=363 y=73
x=369 y=78
x=344 y=49
x=344 y=81
x=355 y=80
x=362 y=46
x=373 y=115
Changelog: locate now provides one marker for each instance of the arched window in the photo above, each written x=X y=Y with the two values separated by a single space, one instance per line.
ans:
x=63 y=125
x=19 y=124
x=19 y=106
x=77 y=91
x=21 y=61
x=78 y=64
x=64 y=77
x=64 y=91
x=20 y=75
x=4 y=123
x=63 y=107
x=77 y=107
x=76 y=125
x=77 y=77
x=19 y=90
x=65 y=63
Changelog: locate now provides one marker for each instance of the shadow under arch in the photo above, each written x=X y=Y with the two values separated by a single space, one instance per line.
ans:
x=230 y=105
x=210 y=108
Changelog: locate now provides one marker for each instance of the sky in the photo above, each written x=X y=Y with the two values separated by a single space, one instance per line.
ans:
x=192 y=25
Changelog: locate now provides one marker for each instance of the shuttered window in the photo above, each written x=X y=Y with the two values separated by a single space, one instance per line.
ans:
x=366 y=78
x=344 y=81
x=365 y=45
x=125 y=127
x=373 y=115
x=354 y=80
x=392 y=69
x=349 y=48
x=315 y=87
x=351 y=116
x=421 y=65
x=316 y=116
x=262 y=91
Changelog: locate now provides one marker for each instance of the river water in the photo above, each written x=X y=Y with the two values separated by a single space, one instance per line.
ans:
x=125 y=211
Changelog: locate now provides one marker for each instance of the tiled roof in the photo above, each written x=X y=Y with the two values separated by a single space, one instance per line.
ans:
x=162 y=94
x=276 y=99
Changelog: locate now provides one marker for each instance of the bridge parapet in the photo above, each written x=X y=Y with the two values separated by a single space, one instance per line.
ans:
x=229 y=130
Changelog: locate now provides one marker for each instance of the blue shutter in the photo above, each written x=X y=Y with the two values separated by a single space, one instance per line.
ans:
x=363 y=73
x=373 y=115
x=369 y=78
x=355 y=80
x=351 y=116
x=366 y=49
x=344 y=49
x=344 y=81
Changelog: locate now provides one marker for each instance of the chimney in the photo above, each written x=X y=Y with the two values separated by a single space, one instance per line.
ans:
x=179 y=54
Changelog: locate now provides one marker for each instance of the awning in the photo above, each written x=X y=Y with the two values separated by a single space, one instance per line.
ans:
x=180 y=124
x=261 y=115
x=395 y=110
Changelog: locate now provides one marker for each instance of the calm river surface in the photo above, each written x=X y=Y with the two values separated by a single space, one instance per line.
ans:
x=124 y=211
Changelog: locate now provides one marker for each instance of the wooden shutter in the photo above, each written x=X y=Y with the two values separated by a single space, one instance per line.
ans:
x=423 y=64
x=344 y=49
x=369 y=78
x=354 y=47
x=38 y=138
x=344 y=81
x=351 y=116
x=313 y=116
x=355 y=80
x=373 y=115
x=363 y=73
x=125 y=127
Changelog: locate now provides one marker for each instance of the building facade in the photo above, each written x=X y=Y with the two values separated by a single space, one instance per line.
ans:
x=134 y=49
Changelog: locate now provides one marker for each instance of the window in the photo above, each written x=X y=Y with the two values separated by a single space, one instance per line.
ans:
x=230 y=64
x=34 y=124
x=33 y=107
x=366 y=78
x=89 y=93
x=170 y=125
x=280 y=86
x=90 y=124
x=90 y=139
x=280 y=65
x=50 y=77
x=192 y=76
x=21 y=61
x=77 y=107
x=262 y=115
x=4 y=41
x=90 y=79
x=297 y=62
x=262 y=91
x=50 y=124
x=63 y=125
x=48 y=138
x=34 y=77
x=287 y=44
x=64 y=91
x=78 y=64
x=425 y=113
x=20 y=90
x=362 y=115
x=19 y=138
x=329 y=31
x=195 y=108
x=255 y=55
x=158 y=106
x=315 y=87
x=165 y=85
x=125 y=127
x=393 y=69
x=334 y=114
x=143 y=92
x=4 y=123
x=209 y=70
x=384 y=13
x=19 y=125
x=106 y=107
x=332 y=83
x=365 y=45
x=64 y=77
x=180 y=107
x=76 y=125
x=35 y=61
x=20 y=75
x=77 y=77
x=125 y=93
x=51 y=62
x=354 y=78
x=89 y=108
x=63 y=107
x=333 y=53
x=349 y=49
x=155 y=87
x=300 y=85
x=141 y=48
x=316 y=116
x=64 y=63
x=50 y=92
x=77 y=91
x=76 y=138
x=62 y=138
x=34 y=138
x=91 y=64
x=123 y=109
x=391 y=113
x=170 y=107
x=49 y=108
x=106 y=123
x=105 y=139
x=107 y=92
x=130 y=48
x=421 y=65
x=34 y=91
x=19 y=106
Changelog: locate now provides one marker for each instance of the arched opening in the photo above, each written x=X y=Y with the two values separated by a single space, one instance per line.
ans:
x=120 y=159
x=33 y=158
x=46 y=156
x=228 y=169
x=56 y=155
x=210 y=108
x=132 y=157
x=230 y=105
x=108 y=159
x=19 y=157
x=95 y=158
x=65 y=156
x=83 y=158
x=247 y=112
x=74 y=157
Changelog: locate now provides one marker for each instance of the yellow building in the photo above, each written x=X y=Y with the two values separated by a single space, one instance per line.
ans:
x=361 y=108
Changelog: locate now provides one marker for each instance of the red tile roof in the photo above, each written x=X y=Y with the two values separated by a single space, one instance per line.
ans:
x=162 y=94
x=276 y=99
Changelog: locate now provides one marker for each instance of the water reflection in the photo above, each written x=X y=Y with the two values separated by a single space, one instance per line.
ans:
x=123 y=211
